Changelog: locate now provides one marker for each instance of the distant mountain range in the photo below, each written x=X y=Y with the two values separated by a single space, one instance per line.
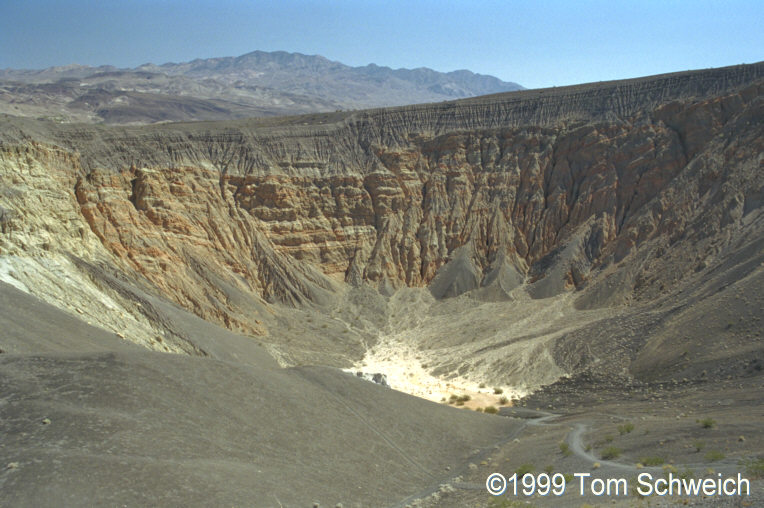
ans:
x=256 y=84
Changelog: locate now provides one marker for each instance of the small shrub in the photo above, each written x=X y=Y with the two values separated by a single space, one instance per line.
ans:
x=463 y=398
x=608 y=438
x=524 y=470
x=687 y=474
x=611 y=452
x=634 y=489
x=714 y=455
x=481 y=385
x=503 y=400
x=565 y=449
x=491 y=410
x=652 y=461
x=479 y=409
x=699 y=445
x=549 y=469
x=498 y=391
x=707 y=423
x=754 y=467
x=625 y=428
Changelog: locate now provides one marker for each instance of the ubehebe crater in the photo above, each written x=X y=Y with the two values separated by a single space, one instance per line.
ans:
x=606 y=236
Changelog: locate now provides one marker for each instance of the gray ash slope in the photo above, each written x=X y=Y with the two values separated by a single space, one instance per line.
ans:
x=88 y=419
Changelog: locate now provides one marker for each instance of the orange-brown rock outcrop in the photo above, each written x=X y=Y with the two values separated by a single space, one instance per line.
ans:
x=552 y=187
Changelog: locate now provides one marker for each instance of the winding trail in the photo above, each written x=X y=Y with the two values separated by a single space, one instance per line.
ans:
x=575 y=440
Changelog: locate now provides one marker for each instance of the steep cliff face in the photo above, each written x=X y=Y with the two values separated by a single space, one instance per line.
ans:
x=622 y=189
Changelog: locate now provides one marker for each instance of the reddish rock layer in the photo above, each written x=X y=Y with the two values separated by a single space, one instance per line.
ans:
x=213 y=218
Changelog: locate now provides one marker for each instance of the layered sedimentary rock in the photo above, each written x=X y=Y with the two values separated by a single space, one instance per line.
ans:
x=552 y=187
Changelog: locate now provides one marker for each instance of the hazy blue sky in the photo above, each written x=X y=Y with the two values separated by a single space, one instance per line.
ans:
x=535 y=43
